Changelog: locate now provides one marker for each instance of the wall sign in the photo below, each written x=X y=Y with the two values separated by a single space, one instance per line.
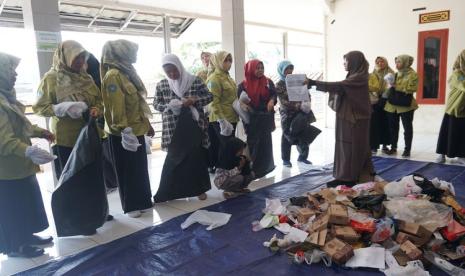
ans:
x=432 y=17
x=47 y=41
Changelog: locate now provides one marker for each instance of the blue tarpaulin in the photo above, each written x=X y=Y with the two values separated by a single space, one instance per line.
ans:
x=166 y=249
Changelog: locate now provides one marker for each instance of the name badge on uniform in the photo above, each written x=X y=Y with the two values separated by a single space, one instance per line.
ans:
x=112 y=88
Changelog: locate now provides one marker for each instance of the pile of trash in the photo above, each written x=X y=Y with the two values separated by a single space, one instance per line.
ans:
x=399 y=228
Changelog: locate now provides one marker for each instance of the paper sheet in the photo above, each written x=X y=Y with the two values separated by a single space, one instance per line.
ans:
x=296 y=90
x=368 y=257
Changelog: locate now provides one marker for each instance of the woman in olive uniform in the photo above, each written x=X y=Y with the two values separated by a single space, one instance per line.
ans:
x=126 y=121
x=65 y=84
x=22 y=210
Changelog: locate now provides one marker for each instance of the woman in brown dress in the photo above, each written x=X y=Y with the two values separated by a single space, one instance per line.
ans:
x=349 y=98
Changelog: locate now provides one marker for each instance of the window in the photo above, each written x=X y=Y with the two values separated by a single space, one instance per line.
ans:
x=432 y=66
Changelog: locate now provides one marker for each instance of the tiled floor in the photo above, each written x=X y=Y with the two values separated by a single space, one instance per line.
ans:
x=321 y=152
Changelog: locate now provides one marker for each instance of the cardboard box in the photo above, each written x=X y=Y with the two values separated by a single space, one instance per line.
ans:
x=417 y=241
x=320 y=223
x=411 y=250
x=339 y=251
x=345 y=233
x=328 y=195
x=304 y=214
x=401 y=257
x=338 y=214
x=318 y=238
x=414 y=229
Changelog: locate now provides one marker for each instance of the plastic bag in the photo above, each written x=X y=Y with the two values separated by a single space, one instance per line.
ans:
x=241 y=111
x=274 y=207
x=76 y=109
x=413 y=268
x=148 y=144
x=315 y=256
x=79 y=202
x=244 y=97
x=444 y=185
x=389 y=78
x=129 y=140
x=384 y=230
x=175 y=106
x=226 y=128
x=402 y=188
x=421 y=211
x=212 y=219
x=444 y=265
x=39 y=156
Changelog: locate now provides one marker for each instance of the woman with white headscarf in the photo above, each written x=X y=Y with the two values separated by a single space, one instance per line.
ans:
x=181 y=98
x=126 y=122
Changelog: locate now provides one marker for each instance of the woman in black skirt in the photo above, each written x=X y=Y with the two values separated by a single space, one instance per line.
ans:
x=126 y=122
x=452 y=134
x=22 y=210
x=181 y=98
x=259 y=93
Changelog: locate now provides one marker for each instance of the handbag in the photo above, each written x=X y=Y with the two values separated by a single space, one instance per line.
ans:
x=399 y=98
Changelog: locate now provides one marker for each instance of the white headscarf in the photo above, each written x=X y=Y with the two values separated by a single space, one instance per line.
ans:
x=183 y=84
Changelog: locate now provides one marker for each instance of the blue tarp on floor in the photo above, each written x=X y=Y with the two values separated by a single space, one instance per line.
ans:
x=165 y=249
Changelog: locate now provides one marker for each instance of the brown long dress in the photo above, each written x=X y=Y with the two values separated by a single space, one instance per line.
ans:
x=350 y=99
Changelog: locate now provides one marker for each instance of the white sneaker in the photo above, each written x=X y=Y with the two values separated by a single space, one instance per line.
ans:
x=441 y=159
x=134 y=214
x=460 y=161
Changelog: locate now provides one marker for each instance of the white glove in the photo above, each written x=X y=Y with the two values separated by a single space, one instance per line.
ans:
x=38 y=155
x=389 y=78
x=129 y=140
x=226 y=128
x=175 y=106
x=306 y=107
x=72 y=109
x=244 y=97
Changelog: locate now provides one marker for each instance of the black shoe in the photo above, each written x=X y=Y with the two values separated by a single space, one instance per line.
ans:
x=305 y=161
x=391 y=152
x=406 y=153
x=27 y=251
x=89 y=232
x=287 y=164
x=38 y=240
x=110 y=218
x=335 y=183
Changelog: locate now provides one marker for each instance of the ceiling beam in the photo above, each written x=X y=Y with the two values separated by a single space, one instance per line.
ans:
x=2 y=5
x=96 y=16
x=157 y=27
x=128 y=20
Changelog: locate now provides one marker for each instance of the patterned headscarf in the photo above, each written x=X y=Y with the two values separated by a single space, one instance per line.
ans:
x=8 y=65
x=380 y=73
x=217 y=60
x=71 y=84
x=459 y=63
x=282 y=66
x=121 y=54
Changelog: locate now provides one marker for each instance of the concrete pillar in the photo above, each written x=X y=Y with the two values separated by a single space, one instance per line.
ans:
x=167 y=34
x=233 y=34
x=285 y=45
x=43 y=19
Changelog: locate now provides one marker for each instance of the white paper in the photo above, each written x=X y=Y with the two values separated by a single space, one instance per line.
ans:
x=204 y=217
x=296 y=90
x=284 y=228
x=296 y=235
x=373 y=257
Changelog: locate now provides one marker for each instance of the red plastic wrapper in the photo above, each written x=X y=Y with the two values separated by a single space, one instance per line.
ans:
x=453 y=231
x=363 y=227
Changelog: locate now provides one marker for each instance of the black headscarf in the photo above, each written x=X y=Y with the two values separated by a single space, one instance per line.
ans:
x=228 y=159
x=93 y=69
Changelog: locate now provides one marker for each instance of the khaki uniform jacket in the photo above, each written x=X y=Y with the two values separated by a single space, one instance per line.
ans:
x=13 y=162
x=224 y=92
x=122 y=105
x=65 y=128
x=408 y=83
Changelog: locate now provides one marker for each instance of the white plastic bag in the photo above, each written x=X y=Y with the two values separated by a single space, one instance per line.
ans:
x=389 y=78
x=306 y=107
x=72 y=109
x=129 y=140
x=226 y=128
x=148 y=144
x=39 y=156
x=430 y=215
x=274 y=207
x=402 y=188
x=175 y=106
x=241 y=112
x=212 y=219
x=244 y=97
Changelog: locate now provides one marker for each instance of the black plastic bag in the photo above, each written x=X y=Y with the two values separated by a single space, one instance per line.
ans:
x=301 y=131
x=373 y=203
x=428 y=188
x=79 y=202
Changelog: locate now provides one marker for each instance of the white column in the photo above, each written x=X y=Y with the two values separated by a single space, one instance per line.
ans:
x=233 y=34
x=167 y=34
x=285 y=45
x=43 y=18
